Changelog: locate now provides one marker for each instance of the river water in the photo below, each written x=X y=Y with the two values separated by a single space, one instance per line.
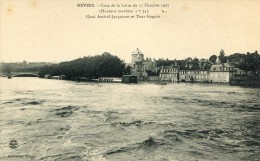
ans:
x=67 y=120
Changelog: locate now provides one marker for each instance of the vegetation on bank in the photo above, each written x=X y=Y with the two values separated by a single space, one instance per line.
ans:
x=22 y=67
x=91 y=67
x=246 y=62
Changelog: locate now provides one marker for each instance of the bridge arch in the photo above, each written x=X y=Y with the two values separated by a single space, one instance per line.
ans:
x=25 y=75
x=2 y=75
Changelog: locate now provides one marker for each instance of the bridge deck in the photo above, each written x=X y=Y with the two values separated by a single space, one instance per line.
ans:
x=20 y=74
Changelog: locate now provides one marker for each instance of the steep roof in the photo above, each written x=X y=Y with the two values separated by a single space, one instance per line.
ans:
x=137 y=51
x=218 y=66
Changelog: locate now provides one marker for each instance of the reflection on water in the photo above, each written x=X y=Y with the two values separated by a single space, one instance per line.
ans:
x=66 y=120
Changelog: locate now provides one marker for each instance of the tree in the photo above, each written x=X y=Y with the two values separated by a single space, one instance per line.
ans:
x=251 y=62
x=213 y=58
x=127 y=69
x=221 y=53
x=222 y=56
x=7 y=68
x=105 y=65
x=196 y=59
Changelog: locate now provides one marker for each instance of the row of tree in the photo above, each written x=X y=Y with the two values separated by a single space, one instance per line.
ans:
x=246 y=62
x=91 y=67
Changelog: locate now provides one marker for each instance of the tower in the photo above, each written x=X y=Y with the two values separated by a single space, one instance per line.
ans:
x=137 y=57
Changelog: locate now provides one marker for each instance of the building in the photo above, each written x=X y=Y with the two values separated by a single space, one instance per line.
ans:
x=175 y=74
x=137 y=57
x=194 y=75
x=188 y=70
x=129 y=79
x=221 y=72
x=169 y=73
x=137 y=65
x=142 y=68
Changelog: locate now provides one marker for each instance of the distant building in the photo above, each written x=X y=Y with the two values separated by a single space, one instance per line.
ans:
x=188 y=70
x=221 y=72
x=129 y=79
x=62 y=77
x=47 y=76
x=142 y=68
x=175 y=74
x=55 y=77
x=137 y=57
x=149 y=64
x=194 y=75
x=169 y=73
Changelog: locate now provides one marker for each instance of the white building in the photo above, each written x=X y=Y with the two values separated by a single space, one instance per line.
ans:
x=221 y=72
x=169 y=73
x=174 y=74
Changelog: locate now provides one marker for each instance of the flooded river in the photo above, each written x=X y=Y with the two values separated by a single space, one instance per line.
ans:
x=82 y=121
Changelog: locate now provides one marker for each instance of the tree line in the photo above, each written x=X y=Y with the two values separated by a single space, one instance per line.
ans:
x=247 y=62
x=90 y=67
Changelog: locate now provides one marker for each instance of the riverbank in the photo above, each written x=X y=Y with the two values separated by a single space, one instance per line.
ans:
x=245 y=82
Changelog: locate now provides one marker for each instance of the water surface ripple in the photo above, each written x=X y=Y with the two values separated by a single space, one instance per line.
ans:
x=66 y=120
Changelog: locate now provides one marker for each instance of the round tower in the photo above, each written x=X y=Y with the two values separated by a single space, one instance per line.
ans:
x=137 y=57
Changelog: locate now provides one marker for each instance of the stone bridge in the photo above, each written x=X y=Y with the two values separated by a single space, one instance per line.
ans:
x=21 y=74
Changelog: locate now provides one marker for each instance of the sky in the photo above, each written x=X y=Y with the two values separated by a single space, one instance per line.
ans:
x=58 y=30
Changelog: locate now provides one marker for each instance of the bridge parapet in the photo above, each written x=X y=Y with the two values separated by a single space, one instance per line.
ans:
x=21 y=74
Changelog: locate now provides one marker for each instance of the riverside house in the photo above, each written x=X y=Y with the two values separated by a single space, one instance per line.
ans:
x=222 y=72
x=174 y=74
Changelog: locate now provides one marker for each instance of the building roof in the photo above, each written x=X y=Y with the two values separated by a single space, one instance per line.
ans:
x=169 y=67
x=159 y=62
x=137 y=51
x=216 y=67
